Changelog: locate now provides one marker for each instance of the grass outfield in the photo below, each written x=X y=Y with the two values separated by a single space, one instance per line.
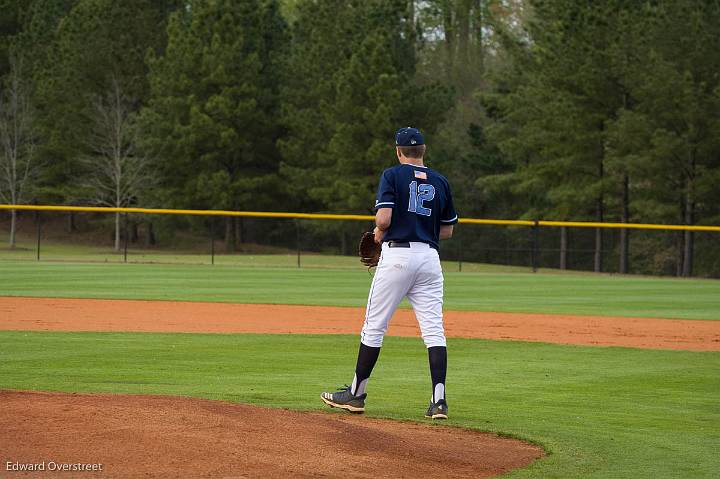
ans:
x=603 y=295
x=600 y=412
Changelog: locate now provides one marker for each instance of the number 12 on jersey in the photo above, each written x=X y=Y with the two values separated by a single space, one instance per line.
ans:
x=418 y=195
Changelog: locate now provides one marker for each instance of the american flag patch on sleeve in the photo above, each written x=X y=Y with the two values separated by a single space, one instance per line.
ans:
x=421 y=174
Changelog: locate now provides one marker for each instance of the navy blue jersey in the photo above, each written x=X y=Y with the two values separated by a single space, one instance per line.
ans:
x=421 y=201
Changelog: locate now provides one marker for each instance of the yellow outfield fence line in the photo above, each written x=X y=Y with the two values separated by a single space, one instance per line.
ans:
x=160 y=211
x=636 y=226
x=324 y=216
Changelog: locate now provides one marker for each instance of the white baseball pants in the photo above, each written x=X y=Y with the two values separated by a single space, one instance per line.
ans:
x=414 y=272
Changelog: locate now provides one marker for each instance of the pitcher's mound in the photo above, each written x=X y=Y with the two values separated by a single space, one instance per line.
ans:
x=159 y=436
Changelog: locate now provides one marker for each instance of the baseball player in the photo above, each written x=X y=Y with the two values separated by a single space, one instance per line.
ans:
x=414 y=212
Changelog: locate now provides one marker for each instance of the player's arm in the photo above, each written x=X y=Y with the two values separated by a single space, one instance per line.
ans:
x=384 y=204
x=383 y=218
x=448 y=217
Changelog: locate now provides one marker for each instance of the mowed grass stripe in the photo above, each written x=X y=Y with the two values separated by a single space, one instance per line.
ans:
x=502 y=292
x=601 y=412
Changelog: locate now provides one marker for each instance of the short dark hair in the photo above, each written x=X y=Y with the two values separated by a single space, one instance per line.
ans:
x=417 y=151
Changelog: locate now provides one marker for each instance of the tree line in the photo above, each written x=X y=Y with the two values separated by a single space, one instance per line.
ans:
x=538 y=109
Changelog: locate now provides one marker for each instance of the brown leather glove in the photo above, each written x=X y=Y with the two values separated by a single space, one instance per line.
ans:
x=369 y=250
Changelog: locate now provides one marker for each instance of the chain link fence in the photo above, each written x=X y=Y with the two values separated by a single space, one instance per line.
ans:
x=323 y=243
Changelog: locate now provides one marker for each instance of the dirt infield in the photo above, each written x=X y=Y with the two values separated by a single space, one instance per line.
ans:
x=48 y=314
x=159 y=436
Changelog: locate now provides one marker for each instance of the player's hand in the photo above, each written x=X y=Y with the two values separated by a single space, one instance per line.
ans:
x=378 y=234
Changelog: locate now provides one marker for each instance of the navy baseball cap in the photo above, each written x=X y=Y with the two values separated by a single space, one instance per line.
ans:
x=409 y=136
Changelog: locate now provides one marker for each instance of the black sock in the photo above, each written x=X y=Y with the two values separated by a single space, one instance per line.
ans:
x=367 y=357
x=438 y=368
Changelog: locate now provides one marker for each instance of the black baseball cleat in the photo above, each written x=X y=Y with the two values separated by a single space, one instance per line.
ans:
x=438 y=410
x=344 y=399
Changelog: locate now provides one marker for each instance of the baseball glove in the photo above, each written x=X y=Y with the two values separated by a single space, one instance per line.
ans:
x=369 y=250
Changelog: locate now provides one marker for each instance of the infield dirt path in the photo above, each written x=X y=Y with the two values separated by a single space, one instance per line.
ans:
x=49 y=314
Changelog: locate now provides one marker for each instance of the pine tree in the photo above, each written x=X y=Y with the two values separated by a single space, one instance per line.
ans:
x=212 y=116
x=352 y=84
x=668 y=134
x=13 y=17
x=558 y=114
x=81 y=50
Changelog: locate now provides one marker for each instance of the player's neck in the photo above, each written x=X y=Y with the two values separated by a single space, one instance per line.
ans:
x=412 y=161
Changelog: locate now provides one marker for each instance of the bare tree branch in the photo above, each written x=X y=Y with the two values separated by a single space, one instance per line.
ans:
x=117 y=174
x=18 y=165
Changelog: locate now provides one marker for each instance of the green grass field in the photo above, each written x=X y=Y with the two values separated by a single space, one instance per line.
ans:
x=483 y=291
x=599 y=412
